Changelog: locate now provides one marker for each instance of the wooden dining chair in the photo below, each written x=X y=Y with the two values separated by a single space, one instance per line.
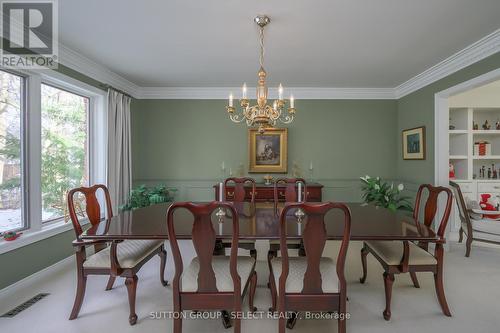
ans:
x=289 y=195
x=239 y=196
x=314 y=282
x=210 y=282
x=118 y=259
x=397 y=257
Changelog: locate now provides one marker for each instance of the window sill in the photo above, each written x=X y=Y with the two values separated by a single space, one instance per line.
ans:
x=30 y=237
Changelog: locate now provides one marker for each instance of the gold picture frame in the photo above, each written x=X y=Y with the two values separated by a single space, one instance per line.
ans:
x=414 y=143
x=267 y=152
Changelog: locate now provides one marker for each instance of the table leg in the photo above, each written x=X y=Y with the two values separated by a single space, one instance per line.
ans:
x=290 y=324
x=226 y=319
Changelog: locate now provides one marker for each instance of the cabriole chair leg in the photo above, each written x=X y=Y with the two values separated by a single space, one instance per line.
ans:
x=131 y=283
x=388 y=281
x=414 y=279
x=251 y=292
x=364 y=254
x=163 y=263
x=80 y=293
x=111 y=282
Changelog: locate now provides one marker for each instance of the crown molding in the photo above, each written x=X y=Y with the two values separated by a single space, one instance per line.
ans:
x=473 y=53
x=298 y=92
x=96 y=71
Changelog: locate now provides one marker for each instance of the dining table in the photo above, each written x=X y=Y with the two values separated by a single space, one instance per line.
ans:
x=261 y=221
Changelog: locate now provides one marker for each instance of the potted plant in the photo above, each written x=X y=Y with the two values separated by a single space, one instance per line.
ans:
x=143 y=196
x=383 y=194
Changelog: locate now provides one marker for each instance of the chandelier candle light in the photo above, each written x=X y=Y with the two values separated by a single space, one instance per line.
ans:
x=262 y=114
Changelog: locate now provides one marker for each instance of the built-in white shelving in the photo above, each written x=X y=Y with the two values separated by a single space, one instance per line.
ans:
x=462 y=138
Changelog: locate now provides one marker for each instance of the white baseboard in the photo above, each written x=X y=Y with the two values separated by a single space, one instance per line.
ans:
x=40 y=275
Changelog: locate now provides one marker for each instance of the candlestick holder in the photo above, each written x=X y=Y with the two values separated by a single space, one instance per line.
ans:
x=220 y=214
x=299 y=214
x=311 y=175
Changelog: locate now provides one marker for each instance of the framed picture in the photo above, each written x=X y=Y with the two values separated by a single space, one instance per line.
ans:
x=267 y=152
x=414 y=143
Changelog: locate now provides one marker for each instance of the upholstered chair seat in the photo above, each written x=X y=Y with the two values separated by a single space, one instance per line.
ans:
x=486 y=225
x=297 y=269
x=391 y=253
x=220 y=265
x=129 y=254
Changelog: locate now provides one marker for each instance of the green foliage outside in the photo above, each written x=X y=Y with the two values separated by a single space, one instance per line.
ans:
x=64 y=145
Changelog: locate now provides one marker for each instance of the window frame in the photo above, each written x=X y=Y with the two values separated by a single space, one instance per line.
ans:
x=34 y=228
x=24 y=126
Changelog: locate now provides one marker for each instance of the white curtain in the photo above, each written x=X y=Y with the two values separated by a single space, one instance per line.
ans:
x=119 y=148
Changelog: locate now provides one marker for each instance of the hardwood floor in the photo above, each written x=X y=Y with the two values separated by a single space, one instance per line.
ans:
x=471 y=285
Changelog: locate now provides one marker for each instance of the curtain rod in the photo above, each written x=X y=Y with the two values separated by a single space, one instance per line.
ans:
x=107 y=87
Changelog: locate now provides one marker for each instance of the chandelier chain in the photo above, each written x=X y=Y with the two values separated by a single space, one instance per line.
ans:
x=261 y=58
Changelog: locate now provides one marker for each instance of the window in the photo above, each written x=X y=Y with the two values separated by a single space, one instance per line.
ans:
x=52 y=139
x=11 y=152
x=65 y=157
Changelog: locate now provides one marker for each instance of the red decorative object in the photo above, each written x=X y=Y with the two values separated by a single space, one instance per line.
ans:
x=11 y=235
x=485 y=205
x=452 y=172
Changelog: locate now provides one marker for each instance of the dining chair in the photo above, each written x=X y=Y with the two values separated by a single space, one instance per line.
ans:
x=476 y=227
x=239 y=196
x=290 y=194
x=122 y=259
x=397 y=257
x=210 y=282
x=314 y=282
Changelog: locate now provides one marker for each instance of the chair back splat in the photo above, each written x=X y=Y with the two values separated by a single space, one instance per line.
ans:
x=431 y=205
x=92 y=206
x=204 y=237
x=314 y=237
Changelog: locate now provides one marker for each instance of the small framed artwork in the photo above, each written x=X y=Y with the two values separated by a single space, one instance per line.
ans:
x=267 y=152
x=414 y=143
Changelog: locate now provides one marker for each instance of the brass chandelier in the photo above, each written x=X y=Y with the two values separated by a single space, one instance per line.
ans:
x=262 y=114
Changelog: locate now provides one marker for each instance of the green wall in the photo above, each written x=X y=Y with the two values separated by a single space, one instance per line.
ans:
x=417 y=109
x=184 y=142
x=189 y=139
x=22 y=262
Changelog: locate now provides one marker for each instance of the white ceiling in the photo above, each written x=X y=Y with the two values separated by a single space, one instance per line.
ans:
x=310 y=43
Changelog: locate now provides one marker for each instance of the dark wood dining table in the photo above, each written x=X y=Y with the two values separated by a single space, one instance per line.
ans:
x=261 y=223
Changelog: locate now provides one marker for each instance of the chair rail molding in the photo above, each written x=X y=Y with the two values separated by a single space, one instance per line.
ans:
x=342 y=190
